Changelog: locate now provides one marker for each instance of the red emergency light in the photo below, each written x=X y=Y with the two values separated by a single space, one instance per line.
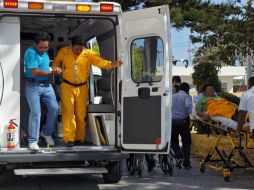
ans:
x=104 y=7
x=10 y=3
x=158 y=141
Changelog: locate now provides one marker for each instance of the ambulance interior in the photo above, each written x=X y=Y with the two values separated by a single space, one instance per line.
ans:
x=100 y=128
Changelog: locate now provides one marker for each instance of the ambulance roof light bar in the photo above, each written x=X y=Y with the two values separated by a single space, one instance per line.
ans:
x=36 y=5
x=106 y=7
x=62 y=6
x=10 y=3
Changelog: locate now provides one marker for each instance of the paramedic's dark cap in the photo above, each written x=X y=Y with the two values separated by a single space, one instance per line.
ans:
x=41 y=37
x=185 y=87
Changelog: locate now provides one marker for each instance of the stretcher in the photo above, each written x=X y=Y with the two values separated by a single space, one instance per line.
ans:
x=218 y=157
x=135 y=163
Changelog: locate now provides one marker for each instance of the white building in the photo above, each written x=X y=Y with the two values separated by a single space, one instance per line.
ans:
x=226 y=75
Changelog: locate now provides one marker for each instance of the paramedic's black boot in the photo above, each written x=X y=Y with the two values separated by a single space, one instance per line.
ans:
x=186 y=165
x=78 y=143
x=70 y=144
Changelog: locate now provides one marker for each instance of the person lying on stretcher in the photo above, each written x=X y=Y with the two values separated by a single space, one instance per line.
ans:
x=216 y=108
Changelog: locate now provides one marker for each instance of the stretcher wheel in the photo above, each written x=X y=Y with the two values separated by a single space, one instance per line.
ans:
x=171 y=169
x=202 y=167
x=226 y=174
x=167 y=165
x=135 y=164
x=140 y=172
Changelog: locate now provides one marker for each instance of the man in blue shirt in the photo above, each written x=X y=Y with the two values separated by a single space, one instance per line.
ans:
x=38 y=87
x=181 y=108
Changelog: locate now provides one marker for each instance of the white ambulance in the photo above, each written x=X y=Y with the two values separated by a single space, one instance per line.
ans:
x=129 y=108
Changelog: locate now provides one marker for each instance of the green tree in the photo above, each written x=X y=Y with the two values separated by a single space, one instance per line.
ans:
x=227 y=27
x=230 y=30
x=204 y=73
x=137 y=63
x=95 y=48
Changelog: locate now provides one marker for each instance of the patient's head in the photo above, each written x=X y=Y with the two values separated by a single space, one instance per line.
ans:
x=208 y=90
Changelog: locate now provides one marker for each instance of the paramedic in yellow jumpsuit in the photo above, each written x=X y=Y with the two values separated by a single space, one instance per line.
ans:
x=75 y=62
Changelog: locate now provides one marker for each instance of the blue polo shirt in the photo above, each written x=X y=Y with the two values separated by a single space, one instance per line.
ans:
x=34 y=60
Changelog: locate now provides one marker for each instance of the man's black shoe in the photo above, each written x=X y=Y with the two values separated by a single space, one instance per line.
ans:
x=70 y=144
x=187 y=167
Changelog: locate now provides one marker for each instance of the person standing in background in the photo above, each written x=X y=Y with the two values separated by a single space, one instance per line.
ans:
x=176 y=82
x=181 y=109
x=246 y=106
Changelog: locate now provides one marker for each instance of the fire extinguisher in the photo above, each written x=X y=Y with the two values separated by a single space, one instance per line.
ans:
x=11 y=134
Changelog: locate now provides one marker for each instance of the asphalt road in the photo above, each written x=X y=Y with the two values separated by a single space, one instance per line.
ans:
x=182 y=179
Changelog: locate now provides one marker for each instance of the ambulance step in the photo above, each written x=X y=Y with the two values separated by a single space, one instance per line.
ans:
x=59 y=171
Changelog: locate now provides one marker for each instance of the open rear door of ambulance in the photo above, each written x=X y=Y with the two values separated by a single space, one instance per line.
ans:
x=146 y=94
x=9 y=75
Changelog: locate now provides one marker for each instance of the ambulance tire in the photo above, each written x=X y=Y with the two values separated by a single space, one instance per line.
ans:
x=2 y=169
x=114 y=174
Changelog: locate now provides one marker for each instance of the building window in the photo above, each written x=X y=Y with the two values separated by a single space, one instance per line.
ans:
x=224 y=87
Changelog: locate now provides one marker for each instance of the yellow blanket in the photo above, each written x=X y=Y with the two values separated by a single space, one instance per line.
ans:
x=217 y=106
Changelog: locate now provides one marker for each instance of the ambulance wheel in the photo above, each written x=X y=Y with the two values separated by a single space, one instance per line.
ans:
x=114 y=172
x=2 y=170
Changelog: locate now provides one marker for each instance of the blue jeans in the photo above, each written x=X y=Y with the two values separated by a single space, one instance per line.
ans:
x=34 y=93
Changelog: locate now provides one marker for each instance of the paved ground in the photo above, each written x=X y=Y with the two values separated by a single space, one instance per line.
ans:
x=182 y=179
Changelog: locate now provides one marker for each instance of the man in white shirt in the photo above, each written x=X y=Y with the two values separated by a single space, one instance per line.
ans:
x=247 y=106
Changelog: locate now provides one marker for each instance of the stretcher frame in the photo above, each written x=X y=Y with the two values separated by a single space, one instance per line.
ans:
x=239 y=143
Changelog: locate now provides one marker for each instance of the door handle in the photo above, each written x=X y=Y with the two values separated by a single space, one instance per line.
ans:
x=2 y=74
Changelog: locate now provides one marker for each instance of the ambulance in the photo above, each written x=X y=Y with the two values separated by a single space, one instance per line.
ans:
x=129 y=108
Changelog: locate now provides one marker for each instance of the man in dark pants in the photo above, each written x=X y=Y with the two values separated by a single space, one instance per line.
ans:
x=181 y=108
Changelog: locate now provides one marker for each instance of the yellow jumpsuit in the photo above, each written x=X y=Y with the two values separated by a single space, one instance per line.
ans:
x=74 y=99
